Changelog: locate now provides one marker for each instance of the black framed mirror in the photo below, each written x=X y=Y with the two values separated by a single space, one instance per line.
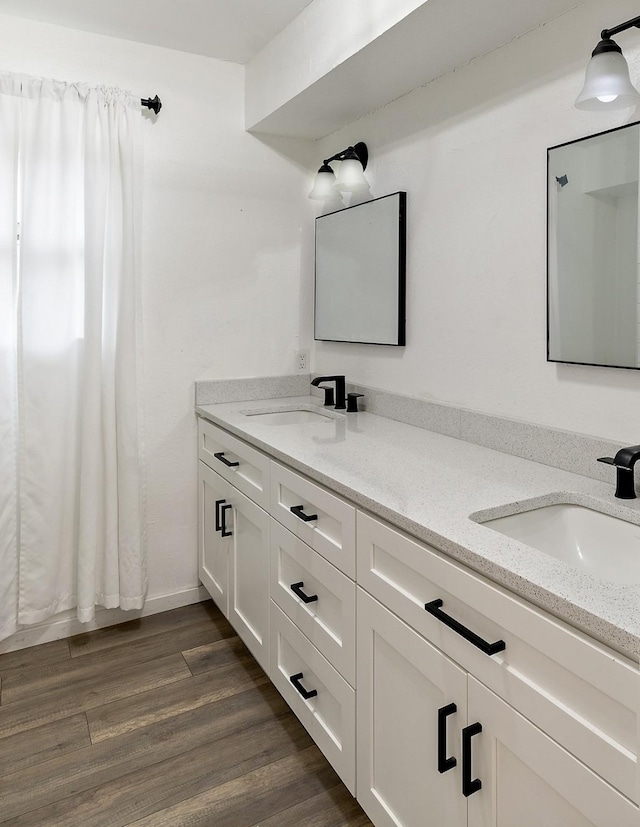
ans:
x=360 y=273
x=593 y=271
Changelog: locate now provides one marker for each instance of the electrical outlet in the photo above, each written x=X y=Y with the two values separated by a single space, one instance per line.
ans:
x=302 y=361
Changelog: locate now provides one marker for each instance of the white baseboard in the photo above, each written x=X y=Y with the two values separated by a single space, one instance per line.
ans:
x=66 y=624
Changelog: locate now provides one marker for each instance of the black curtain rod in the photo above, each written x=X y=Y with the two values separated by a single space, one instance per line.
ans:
x=152 y=103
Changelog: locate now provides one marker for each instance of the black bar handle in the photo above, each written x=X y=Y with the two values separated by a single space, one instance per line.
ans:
x=469 y=785
x=306 y=693
x=444 y=763
x=220 y=455
x=297 y=510
x=488 y=648
x=218 y=523
x=296 y=588
x=223 y=525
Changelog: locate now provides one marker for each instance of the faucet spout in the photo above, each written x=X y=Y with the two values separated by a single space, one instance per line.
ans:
x=624 y=462
x=340 y=388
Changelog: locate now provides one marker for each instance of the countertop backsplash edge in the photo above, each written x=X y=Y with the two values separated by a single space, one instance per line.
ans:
x=558 y=448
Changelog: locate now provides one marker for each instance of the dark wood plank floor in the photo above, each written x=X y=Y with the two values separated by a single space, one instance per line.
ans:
x=166 y=720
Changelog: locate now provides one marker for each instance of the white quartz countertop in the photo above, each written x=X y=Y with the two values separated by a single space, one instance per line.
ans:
x=428 y=485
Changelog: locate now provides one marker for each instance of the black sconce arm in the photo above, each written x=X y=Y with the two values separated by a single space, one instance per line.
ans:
x=607 y=34
x=358 y=150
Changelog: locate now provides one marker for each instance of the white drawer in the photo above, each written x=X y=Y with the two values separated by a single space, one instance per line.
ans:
x=236 y=461
x=325 y=522
x=329 y=715
x=299 y=574
x=582 y=693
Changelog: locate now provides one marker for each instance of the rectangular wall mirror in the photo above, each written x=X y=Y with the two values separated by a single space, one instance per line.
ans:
x=360 y=273
x=593 y=287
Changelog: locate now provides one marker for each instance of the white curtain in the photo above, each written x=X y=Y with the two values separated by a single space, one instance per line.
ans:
x=70 y=475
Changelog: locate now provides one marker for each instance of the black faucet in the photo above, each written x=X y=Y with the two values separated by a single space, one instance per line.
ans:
x=624 y=461
x=340 y=389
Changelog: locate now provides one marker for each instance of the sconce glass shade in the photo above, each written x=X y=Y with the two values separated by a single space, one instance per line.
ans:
x=324 y=184
x=607 y=84
x=351 y=176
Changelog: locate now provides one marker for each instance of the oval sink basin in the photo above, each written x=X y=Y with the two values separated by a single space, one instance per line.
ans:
x=604 y=546
x=291 y=416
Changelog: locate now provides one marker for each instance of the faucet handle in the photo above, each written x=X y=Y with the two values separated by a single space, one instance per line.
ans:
x=608 y=460
x=352 y=402
x=329 y=399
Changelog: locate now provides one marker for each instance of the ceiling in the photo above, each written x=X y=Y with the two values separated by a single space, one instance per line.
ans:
x=226 y=29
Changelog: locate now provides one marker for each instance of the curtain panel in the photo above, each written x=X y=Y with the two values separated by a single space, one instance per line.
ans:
x=71 y=518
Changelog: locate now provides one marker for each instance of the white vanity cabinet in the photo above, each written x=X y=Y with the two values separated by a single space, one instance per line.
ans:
x=439 y=697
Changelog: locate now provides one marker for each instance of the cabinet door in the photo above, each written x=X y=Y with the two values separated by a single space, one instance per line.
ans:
x=249 y=574
x=405 y=691
x=213 y=548
x=528 y=779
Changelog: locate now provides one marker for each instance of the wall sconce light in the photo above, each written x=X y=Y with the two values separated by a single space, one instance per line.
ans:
x=353 y=162
x=607 y=84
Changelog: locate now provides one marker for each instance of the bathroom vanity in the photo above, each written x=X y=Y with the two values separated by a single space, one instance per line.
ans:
x=451 y=674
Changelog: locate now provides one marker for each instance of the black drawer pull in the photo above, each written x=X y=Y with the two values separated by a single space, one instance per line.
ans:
x=306 y=693
x=296 y=588
x=218 y=523
x=222 y=506
x=488 y=648
x=220 y=455
x=469 y=785
x=444 y=763
x=297 y=510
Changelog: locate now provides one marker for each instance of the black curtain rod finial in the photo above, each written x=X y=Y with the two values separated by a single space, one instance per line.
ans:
x=152 y=103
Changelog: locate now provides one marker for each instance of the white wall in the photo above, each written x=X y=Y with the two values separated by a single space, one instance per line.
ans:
x=470 y=150
x=221 y=252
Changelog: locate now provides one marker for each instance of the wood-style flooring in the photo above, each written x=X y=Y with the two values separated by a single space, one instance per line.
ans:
x=159 y=722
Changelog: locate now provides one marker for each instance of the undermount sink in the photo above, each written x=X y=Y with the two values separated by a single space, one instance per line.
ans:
x=604 y=546
x=287 y=415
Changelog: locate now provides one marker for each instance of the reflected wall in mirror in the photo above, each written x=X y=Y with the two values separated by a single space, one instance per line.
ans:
x=360 y=273
x=593 y=287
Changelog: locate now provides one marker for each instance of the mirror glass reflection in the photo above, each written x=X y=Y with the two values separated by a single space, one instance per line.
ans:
x=593 y=272
x=360 y=273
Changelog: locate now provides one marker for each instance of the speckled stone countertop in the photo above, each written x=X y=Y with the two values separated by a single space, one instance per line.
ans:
x=429 y=485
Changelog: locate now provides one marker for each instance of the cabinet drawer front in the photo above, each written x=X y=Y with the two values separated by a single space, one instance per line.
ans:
x=328 y=621
x=250 y=475
x=331 y=532
x=328 y=716
x=564 y=682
